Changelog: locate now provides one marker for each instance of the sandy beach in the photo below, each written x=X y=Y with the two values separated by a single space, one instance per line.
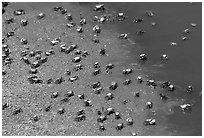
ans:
x=43 y=108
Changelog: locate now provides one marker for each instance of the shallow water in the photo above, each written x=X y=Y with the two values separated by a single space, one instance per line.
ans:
x=184 y=66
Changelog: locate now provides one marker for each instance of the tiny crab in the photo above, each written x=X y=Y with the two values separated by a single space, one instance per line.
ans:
x=164 y=56
x=96 y=72
x=171 y=87
x=120 y=126
x=98 y=90
x=79 y=29
x=129 y=121
x=82 y=21
x=149 y=105
x=69 y=94
x=123 y=36
x=99 y=7
x=149 y=13
x=101 y=118
x=109 y=111
x=127 y=82
x=143 y=57
x=117 y=115
x=113 y=85
x=74 y=78
x=24 y=22
x=96 y=85
x=127 y=71
x=109 y=96
x=55 y=95
x=76 y=59
x=40 y=15
x=87 y=103
x=110 y=66
x=71 y=24
x=189 y=89
x=97 y=29
x=19 y=12
x=150 y=122
x=185 y=107
x=173 y=43
x=139 y=79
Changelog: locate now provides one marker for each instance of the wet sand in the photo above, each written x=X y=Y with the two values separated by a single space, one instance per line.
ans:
x=32 y=99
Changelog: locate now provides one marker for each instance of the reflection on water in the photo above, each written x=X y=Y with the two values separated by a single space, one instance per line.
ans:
x=184 y=66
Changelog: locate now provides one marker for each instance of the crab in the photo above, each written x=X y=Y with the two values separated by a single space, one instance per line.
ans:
x=79 y=29
x=123 y=36
x=139 y=79
x=173 y=44
x=69 y=94
x=143 y=57
x=97 y=29
x=113 y=86
x=164 y=56
x=149 y=105
x=150 y=122
x=24 y=22
x=40 y=15
x=81 y=96
x=109 y=111
x=185 y=107
x=137 y=94
x=189 y=89
x=80 y=112
x=151 y=83
x=101 y=118
x=149 y=13
x=55 y=95
x=99 y=7
x=33 y=71
x=55 y=42
x=120 y=126
x=127 y=82
x=171 y=87
x=80 y=118
x=74 y=78
x=101 y=127
x=102 y=52
x=110 y=66
x=186 y=31
x=98 y=90
x=109 y=96
x=87 y=103
x=71 y=24
x=96 y=65
x=82 y=21
x=19 y=12
x=61 y=111
x=129 y=121
x=127 y=71
x=117 y=115
x=76 y=59
x=96 y=85
x=63 y=11
x=96 y=72
x=9 y=21
x=10 y=34
x=69 y=17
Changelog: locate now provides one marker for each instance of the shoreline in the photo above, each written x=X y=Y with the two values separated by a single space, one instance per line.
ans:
x=55 y=124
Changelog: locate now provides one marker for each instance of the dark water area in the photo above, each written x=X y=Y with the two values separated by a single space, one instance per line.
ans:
x=184 y=66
